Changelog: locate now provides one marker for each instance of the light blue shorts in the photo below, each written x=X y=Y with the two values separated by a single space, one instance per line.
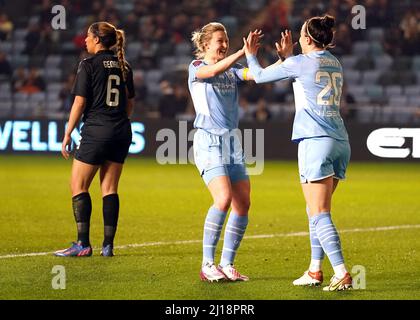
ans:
x=216 y=156
x=322 y=157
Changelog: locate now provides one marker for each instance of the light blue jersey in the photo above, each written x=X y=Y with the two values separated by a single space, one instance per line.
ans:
x=216 y=99
x=317 y=88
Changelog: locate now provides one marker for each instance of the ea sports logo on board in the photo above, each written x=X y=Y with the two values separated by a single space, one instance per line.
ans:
x=389 y=142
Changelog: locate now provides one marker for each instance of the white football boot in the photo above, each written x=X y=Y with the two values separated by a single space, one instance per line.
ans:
x=232 y=274
x=309 y=279
x=209 y=272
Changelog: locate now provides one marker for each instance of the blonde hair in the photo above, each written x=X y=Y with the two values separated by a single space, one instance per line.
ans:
x=200 y=37
x=110 y=36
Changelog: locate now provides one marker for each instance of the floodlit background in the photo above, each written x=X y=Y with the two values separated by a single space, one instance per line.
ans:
x=158 y=243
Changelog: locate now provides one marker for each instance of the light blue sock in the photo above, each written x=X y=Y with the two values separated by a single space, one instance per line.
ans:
x=328 y=237
x=317 y=253
x=234 y=233
x=213 y=226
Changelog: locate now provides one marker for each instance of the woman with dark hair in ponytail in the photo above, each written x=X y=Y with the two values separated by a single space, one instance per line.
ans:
x=104 y=95
x=324 y=150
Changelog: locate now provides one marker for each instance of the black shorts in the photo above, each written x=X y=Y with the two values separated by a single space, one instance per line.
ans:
x=97 y=152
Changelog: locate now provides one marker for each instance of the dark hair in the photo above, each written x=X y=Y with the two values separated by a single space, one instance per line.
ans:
x=110 y=36
x=320 y=30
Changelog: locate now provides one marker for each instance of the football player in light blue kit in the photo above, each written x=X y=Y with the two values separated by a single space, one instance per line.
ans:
x=324 y=150
x=213 y=84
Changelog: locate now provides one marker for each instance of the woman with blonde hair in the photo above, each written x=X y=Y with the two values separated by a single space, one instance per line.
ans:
x=213 y=83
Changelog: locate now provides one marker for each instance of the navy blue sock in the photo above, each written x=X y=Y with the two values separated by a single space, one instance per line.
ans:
x=82 y=210
x=111 y=208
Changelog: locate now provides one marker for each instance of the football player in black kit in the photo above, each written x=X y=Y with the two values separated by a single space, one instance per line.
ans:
x=104 y=95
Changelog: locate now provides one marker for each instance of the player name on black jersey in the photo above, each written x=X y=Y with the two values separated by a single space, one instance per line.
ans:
x=111 y=64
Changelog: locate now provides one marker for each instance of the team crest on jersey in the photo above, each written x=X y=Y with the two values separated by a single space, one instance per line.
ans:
x=230 y=75
x=196 y=63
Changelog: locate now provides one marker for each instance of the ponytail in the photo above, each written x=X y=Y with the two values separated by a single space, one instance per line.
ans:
x=121 y=52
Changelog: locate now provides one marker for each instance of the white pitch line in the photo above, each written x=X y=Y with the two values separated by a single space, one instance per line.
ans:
x=260 y=236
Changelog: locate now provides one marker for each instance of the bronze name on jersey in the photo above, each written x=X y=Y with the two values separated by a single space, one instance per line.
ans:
x=111 y=64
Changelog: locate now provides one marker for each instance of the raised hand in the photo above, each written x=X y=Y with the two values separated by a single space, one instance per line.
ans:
x=285 y=48
x=252 y=42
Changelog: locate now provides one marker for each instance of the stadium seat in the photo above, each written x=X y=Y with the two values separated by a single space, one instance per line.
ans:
x=5 y=108
x=152 y=79
x=416 y=63
x=403 y=115
x=18 y=47
x=414 y=101
x=406 y=78
x=133 y=50
x=361 y=48
x=183 y=49
x=370 y=77
x=5 y=95
x=412 y=90
x=383 y=62
x=184 y=60
x=388 y=78
x=394 y=90
x=54 y=106
x=375 y=34
x=53 y=61
x=362 y=99
x=385 y=115
x=81 y=22
x=20 y=60
x=365 y=114
x=39 y=97
x=53 y=74
x=168 y=62
x=6 y=47
x=376 y=48
x=54 y=87
x=5 y=86
x=231 y=23
x=364 y=63
x=352 y=77
x=20 y=96
x=402 y=63
x=357 y=90
x=54 y=110
x=22 y=109
x=20 y=34
x=348 y=62
x=53 y=96
x=398 y=101
x=375 y=93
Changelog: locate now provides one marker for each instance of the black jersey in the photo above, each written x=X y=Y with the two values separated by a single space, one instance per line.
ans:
x=99 y=79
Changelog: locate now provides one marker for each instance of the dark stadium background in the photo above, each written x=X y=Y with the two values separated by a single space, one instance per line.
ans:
x=381 y=63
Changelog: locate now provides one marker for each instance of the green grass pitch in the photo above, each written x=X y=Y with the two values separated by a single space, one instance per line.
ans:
x=161 y=216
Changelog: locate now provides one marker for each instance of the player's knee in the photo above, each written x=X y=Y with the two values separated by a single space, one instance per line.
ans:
x=108 y=189
x=78 y=186
x=242 y=207
x=223 y=202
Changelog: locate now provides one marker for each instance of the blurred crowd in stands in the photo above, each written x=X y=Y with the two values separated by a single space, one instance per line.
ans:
x=37 y=63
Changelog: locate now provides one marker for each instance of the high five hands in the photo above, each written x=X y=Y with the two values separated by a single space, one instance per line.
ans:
x=285 y=48
x=252 y=42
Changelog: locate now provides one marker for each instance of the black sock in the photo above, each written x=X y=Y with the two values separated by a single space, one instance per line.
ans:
x=82 y=209
x=111 y=208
